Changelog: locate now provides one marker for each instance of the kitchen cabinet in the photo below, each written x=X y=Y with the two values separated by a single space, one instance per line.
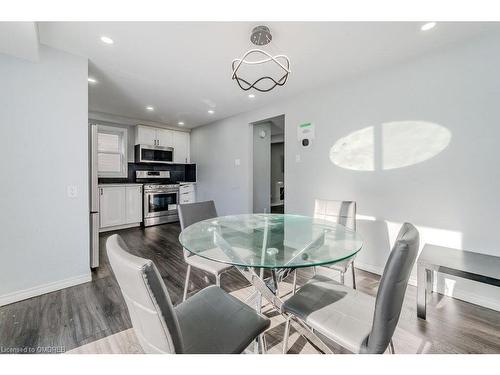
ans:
x=112 y=206
x=145 y=135
x=148 y=135
x=186 y=194
x=178 y=140
x=133 y=205
x=120 y=205
x=165 y=137
x=181 y=147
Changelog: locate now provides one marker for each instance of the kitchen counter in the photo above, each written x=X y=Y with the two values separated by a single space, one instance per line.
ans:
x=119 y=184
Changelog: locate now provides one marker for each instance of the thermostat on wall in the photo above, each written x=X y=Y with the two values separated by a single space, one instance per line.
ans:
x=305 y=134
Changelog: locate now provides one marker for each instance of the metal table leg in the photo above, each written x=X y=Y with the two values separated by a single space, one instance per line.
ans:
x=424 y=283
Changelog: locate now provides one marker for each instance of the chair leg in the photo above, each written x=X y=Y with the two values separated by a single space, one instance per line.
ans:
x=294 y=281
x=286 y=335
x=217 y=280
x=391 y=347
x=264 y=343
x=186 y=284
x=353 y=276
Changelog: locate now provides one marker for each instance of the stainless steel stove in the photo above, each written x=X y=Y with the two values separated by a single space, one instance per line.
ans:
x=160 y=199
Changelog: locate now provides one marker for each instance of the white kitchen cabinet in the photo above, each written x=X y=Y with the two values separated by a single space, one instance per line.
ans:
x=181 y=147
x=119 y=206
x=145 y=135
x=133 y=204
x=165 y=137
x=148 y=135
x=112 y=206
x=186 y=193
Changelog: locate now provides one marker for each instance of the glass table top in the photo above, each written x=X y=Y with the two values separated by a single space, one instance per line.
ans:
x=271 y=240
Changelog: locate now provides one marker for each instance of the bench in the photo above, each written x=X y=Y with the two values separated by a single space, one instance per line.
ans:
x=466 y=264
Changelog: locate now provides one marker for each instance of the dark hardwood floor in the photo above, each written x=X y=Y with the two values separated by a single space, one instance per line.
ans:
x=75 y=316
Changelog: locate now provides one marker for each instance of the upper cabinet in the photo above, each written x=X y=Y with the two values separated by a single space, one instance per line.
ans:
x=178 y=140
x=181 y=147
x=165 y=137
x=147 y=135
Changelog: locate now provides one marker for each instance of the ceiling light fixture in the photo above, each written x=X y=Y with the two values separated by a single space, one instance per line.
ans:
x=92 y=80
x=261 y=35
x=251 y=96
x=428 y=26
x=107 y=40
x=180 y=123
x=211 y=111
x=150 y=108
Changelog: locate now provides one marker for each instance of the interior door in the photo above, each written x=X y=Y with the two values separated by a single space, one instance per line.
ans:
x=112 y=206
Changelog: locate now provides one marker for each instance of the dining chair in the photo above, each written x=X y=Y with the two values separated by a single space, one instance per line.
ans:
x=191 y=213
x=211 y=321
x=354 y=320
x=338 y=212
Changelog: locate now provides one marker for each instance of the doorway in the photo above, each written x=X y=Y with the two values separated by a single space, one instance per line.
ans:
x=269 y=165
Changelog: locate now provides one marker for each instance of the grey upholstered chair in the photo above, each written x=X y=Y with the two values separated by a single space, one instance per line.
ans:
x=211 y=321
x=354 y=320
x=339 y=212
x=189 y=214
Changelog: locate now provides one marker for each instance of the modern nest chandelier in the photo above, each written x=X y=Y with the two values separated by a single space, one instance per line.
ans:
x=261 y=36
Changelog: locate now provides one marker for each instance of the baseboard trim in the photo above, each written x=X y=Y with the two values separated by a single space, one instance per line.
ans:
x=118 y=227
x=20 y=295
x=457 y=292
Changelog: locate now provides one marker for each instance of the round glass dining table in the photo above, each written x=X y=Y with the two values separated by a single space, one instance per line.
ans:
x=280 y=243
x=271 y=241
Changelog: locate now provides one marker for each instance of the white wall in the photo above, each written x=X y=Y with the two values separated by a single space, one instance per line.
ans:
x=453 y=196
x=44 y=242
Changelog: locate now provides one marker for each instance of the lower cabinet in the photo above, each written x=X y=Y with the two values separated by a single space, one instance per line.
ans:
x=186 y=194
x=119 y=205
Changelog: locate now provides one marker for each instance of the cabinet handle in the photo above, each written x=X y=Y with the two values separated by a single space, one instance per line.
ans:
x=101 y=190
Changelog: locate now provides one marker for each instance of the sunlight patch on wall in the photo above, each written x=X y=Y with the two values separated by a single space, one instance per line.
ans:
x=390 y=145
x=433 y=236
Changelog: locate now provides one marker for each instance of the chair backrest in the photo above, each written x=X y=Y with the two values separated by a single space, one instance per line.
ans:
x=392 y=289
x=194 y=212
x=151 y=311
x=341 y=212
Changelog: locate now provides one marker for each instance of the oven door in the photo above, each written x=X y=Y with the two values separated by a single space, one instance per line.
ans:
x=158 y=203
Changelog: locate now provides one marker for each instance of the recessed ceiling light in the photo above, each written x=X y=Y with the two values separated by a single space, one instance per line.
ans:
x=180 y=123
x=428 y=26
x=150 y=108
x=211 y=111
x=107 y=40
x=92 y=80
x=251 y=96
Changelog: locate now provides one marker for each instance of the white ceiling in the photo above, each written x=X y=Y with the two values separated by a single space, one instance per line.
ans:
x=183 y=69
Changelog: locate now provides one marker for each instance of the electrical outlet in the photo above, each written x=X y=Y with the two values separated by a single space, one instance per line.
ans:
x=237 y=162
x=72 y=191
x=297 y=158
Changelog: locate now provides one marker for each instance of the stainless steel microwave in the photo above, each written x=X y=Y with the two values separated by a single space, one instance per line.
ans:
x=154 y=154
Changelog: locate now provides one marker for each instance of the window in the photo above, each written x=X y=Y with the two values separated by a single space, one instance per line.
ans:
x=111 y=151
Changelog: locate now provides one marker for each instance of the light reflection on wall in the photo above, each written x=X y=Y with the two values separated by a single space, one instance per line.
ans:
x=390 y=145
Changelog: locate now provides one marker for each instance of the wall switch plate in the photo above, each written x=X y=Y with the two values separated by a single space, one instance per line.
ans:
x=237 y=162
x=72 y=191
x=297 y=158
